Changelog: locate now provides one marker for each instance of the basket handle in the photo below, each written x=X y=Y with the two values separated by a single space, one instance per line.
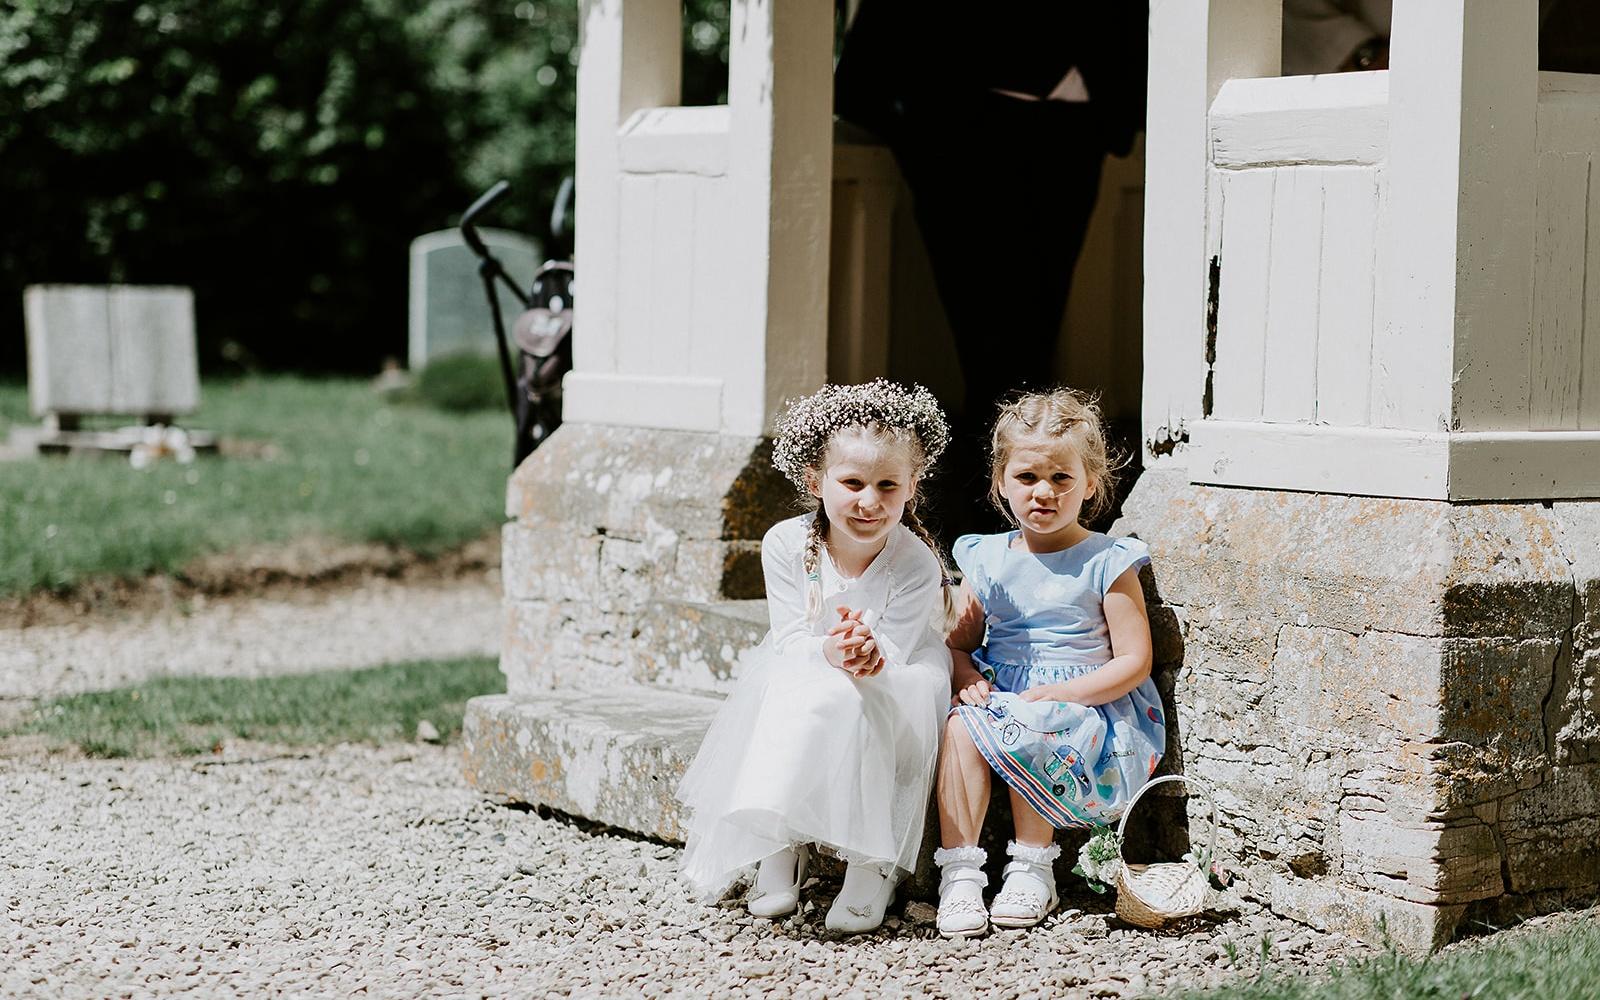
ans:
x=1194 y=786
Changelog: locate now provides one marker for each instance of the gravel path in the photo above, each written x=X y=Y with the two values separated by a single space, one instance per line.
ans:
x=342 y=626
x=378 y=871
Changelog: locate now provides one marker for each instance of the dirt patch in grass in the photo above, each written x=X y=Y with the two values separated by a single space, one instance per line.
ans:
x=306 y=564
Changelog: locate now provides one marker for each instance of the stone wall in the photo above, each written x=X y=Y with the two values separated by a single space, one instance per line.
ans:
x=1395 y=701
x=616 y=531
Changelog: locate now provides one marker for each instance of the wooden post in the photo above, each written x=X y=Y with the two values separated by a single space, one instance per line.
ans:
x=631 y=57
x=1195 y=47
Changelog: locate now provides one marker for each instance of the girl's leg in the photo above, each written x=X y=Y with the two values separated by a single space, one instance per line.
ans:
x=1029 y=893
x=1032 y=829
x=963 y=801
x=963 y=787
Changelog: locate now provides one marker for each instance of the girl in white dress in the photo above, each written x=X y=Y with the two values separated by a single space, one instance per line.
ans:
x=830 y=736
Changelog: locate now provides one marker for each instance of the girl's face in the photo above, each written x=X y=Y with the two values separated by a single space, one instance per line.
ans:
x=864 y=487
x=1045 y=486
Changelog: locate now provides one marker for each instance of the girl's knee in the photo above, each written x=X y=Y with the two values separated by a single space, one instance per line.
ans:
x=957 y=734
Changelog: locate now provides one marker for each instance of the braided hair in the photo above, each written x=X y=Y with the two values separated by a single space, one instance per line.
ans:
x=891 y=415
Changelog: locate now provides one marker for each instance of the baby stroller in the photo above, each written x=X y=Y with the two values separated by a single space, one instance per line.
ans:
x=542 y=333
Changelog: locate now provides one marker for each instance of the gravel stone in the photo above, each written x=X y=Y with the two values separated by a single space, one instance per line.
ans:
x=378 y=871
x=335 y=627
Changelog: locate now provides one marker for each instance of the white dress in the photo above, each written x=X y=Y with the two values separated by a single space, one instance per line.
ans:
x=802 y=752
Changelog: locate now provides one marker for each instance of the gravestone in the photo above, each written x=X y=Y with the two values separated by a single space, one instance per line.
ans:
x=110 y=349
x=449 y=312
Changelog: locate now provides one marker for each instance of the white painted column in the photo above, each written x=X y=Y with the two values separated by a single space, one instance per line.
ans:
x=1195 y=46
x=630 y=57
x=780 y=91
x=703 y=232
x=1463 y=94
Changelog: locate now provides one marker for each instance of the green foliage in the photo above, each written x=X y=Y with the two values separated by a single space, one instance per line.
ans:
x=326 y=458
x=192 y=715
x=1521 y=964
x=276 y=157
x=279 y=157
x=461 y=383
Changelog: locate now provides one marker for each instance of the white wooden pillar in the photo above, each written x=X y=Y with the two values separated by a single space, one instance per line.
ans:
x=1463 y=94
x=1195 y=45
x=631 y=57
x=703 y=232
x=780 y=90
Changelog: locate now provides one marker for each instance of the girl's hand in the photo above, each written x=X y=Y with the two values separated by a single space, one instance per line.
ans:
x=975 y=694
x=858 y=647
x=1063 y=691
x=968 y=686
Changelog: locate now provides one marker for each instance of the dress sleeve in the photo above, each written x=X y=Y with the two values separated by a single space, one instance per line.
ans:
x=913 y=601
x=1124 y=554
x=967 y=553
x=783 y=572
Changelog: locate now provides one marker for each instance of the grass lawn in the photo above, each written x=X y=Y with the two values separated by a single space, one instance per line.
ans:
x=191 y=715
x=343 y=464
x=1529 y=963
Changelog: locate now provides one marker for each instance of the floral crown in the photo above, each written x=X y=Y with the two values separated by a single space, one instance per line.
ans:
x=809 y=423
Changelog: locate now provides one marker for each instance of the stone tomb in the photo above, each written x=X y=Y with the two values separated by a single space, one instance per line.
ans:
x=449 y=313
x=108 y=350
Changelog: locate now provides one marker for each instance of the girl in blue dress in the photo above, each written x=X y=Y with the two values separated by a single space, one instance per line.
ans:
x=1052 y=659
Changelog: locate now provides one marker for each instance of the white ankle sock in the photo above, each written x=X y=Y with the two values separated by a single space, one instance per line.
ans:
x=777 y=871
x=861 y=885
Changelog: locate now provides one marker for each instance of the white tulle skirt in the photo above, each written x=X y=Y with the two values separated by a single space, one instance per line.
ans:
x=803 y=753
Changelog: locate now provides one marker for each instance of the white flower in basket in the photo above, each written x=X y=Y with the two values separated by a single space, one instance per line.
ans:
x=1156 y=894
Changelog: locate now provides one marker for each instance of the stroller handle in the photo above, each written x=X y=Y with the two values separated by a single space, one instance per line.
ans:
x=468 y=231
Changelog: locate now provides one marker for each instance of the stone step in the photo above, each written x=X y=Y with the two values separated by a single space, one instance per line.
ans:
x=615 y=756
x=610 y=755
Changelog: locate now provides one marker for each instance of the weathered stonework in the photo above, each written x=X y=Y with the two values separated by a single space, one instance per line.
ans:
x=611 y=521
x=1397 y=702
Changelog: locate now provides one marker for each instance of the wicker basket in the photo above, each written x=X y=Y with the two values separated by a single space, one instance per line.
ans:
x=1153 y=895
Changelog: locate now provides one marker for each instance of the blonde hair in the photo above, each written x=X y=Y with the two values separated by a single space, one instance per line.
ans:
x=889 y=415
x=1061 y=416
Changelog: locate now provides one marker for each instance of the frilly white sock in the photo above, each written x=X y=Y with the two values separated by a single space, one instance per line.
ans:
x=1033 y=855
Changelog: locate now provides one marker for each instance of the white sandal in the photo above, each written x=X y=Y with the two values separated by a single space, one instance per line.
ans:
x=779 y=900
x=961 y=882
x=860 y=908
x=1029 y=893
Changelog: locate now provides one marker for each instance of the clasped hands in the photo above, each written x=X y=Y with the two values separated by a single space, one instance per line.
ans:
x=851 y=646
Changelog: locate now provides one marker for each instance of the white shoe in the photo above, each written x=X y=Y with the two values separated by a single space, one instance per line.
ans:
x=1029 y=893
x=865 y=898
x=774 y=895
x=961 y=881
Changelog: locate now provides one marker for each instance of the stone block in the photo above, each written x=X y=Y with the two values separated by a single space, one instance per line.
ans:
x=697 y=647
x=1493 y=696
x=1573 y=715
x=1416 y=567
x=563 y=644
x=637 y=483
x=1552 y=830
x=1327 y=905
x=1356 y=692
x=613 y=755
x=542 y=559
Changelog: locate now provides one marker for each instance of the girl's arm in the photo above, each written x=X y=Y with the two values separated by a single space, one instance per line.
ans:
x=966 y=683
x=904 y=623
x=1129 y=624
x=784 y=575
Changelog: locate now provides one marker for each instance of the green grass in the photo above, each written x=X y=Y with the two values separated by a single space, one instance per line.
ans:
x=1520 y=964
x=192 y=715
x=344 y=464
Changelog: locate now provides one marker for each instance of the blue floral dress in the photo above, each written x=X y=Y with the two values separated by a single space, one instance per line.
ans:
x=1076 y=765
